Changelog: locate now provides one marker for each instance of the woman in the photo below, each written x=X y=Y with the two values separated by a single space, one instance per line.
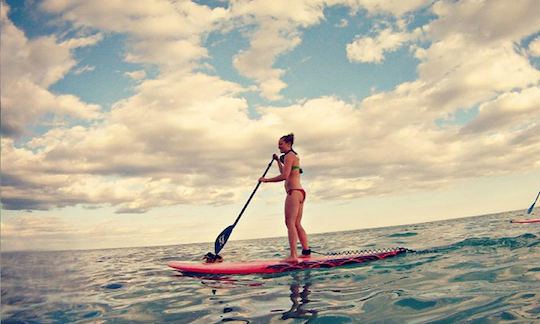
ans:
x=289 y=167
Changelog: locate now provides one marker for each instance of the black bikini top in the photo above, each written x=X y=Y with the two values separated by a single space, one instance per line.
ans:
x=294 y=167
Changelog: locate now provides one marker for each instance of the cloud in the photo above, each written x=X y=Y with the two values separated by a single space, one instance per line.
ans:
x=279 y=23
x=159 y=32
x=154 y=150
x=29 y=67
x=271 y=40
x=136 y=75
x=82 y=41
x=30 y=226
x=187 y=137
x=375 y=7
x=300 y=13
x=342 y=23
x=169 y=34
x=534 y=47
x=463 y=69
x=372 y=49
x=516 y=109
x=485 y=22
x=84 y=69
x=277 y=32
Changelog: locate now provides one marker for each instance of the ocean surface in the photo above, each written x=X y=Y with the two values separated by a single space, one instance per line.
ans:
x=477 y=269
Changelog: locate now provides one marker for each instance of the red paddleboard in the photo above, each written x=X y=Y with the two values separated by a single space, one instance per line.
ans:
x=277 y=266
x=525 y=221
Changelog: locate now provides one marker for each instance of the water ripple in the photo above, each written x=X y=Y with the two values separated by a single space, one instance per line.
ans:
x=473 y=269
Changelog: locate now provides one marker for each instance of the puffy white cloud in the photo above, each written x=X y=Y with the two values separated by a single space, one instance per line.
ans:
x=155 y=149
x=485 y=21
x=300 y=13
x=165 y=33
x=278 y=32
x=271 y=40
x=82 y=41
x=372 y=49
x=463 y=67
x=169 y=33
x=516 y=109
x=277 y=24
x=29 y=67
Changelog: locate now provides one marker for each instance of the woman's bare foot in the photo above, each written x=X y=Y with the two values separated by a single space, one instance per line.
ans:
x=291 y=259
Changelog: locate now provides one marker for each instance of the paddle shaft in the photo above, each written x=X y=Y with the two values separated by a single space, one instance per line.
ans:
x=223 y=237
x=253 y=193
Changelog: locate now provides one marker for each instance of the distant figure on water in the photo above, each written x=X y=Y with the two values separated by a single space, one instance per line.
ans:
x=289 y=167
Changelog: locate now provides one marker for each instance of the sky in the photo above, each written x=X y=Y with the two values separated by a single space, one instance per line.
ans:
x=137 y=123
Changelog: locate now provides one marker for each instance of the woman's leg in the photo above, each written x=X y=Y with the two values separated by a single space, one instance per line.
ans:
x=302 y=236
x=292 y=204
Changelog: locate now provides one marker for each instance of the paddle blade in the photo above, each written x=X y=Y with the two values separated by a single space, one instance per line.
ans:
x=222 y=239
x=530 y=209
x=532 y=206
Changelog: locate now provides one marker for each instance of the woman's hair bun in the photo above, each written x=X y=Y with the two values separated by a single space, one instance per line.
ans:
x=289 y=138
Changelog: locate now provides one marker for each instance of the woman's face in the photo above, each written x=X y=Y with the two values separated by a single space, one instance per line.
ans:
x=283 y=146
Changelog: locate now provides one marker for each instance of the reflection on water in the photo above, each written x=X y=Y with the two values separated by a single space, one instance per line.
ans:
x=300 y=290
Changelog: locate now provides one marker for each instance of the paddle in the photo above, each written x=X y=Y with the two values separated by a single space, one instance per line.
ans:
x=224 y=236
x=532 y=206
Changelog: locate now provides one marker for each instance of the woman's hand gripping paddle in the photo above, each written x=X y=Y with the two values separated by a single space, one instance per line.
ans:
x=224 y=235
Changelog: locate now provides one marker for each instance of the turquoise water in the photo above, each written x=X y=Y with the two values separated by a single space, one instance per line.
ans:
x=479 y=269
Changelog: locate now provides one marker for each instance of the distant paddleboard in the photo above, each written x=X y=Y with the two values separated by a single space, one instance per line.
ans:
x=525 y=221
x=277 y=266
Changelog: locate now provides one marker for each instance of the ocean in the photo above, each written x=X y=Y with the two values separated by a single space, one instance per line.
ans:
x=477 y=269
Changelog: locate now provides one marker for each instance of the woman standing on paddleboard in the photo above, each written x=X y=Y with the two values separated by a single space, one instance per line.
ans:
x=289 y=167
